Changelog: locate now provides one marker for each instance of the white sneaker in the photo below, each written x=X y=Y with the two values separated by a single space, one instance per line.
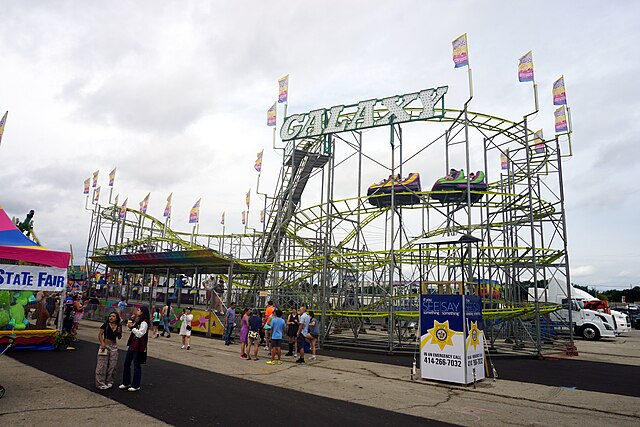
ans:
x=182 y=347
x=133 y=389
x=109 y=385
x=103 y=387
x=123 y=387
x=312 y=357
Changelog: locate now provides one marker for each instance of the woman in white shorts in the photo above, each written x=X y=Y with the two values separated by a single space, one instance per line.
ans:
x=185 y=328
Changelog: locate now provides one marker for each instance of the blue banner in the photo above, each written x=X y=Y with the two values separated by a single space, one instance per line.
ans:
x=451 y=338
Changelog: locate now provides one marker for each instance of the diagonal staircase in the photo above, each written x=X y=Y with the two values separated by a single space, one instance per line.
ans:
x=301 y=158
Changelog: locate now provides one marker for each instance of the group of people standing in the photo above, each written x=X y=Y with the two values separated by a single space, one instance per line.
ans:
x=72 y=314
x=108 y=334
x=301 y=328
x=139 y=325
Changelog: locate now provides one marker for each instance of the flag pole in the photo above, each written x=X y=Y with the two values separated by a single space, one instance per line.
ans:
x=245 y=221
x=265 y=201
x=467 y=159
x=530 y=213
x=141 y=222
x=570 y=127
x=274 y=140
x=164 y=230
x=222 y=241
x=469 y=72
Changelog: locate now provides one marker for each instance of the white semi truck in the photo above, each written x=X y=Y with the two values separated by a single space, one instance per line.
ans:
x=589 y=324
x=621 y=321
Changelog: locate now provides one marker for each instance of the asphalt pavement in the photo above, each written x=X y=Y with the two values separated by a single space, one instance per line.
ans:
x=211 y=385
x=182 y=395
x=611 y=378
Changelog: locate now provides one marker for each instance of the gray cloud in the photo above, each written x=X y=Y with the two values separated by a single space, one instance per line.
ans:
x=174 y=94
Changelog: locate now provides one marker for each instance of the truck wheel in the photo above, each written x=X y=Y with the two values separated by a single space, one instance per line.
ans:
x=590 y=333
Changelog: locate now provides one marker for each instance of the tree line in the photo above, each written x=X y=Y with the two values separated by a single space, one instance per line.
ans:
x=614 y=295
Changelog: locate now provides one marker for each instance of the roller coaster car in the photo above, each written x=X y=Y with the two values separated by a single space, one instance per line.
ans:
x=380 y=194
x=456 y=181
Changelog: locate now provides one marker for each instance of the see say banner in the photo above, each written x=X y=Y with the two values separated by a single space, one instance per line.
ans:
x=451 y=338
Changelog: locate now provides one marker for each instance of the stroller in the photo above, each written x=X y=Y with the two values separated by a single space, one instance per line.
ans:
x=2 y=389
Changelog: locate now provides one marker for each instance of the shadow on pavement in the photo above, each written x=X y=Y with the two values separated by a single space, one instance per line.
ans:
x=181 y=395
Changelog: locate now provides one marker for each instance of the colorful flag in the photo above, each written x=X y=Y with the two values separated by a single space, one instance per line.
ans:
x=95 y=178
x=2 y=122
x=115 y=202
x=561 y=120
x=167 y=208
x=244 y=217
x=460 y=54
x=262 y=216
x=283 y=89
x=222 y=219
x=86 y=186
x=96 y=195
x=271 y=115
x=504 y=160
x=258 y=164
x=112 y=177
x=247 y=199
x=525 y=67
x=538 y=140
x=559 y=92
x=144 y=204
x=123 y=209
x=194 y=215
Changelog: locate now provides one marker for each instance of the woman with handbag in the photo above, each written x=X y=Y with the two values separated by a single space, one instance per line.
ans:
x=109 y=332
x=255 y=324
x=137 y=352
x=185 y=328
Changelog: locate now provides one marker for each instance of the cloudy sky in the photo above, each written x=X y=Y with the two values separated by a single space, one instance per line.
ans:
x=174 y=94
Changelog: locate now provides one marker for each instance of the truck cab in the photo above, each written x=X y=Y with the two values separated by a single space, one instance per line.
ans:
x=619 y=320
x=623 y=323
x=589 y=324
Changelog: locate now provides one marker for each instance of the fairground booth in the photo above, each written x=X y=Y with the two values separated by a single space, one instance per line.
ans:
x=158 y=272
x=30 y=275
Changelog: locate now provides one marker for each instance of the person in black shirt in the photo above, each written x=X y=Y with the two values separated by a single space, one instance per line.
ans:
x=108 y=334
x=292 y=329
x=255 y=324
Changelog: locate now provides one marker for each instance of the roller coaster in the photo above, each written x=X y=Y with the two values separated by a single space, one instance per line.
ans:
x=361 y=264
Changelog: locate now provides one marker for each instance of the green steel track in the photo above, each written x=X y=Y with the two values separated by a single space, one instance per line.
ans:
x=311 y=218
